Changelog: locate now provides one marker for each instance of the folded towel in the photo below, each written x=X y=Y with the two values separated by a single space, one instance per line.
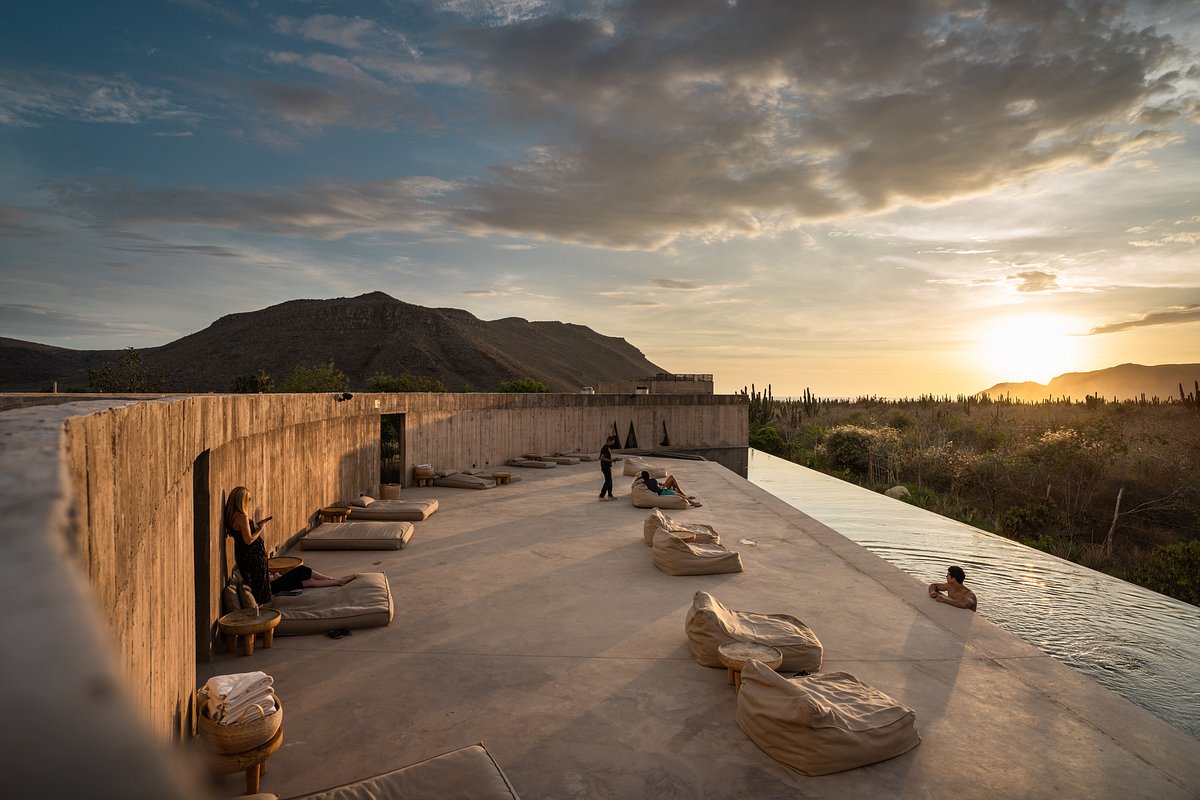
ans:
x=230 y=695
x=250 y=711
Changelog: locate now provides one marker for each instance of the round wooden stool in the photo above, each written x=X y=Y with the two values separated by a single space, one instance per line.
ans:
x=282 y=564
x=734 y=656
x=502 y=478
x=246 y=623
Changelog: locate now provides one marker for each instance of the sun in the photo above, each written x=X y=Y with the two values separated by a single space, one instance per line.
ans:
x=1028 y=347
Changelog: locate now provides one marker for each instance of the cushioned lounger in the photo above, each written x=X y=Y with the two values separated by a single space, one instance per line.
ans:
x=365 y=602
x=524 y=462
x=394 y=511
x=710 y=624
x=460 y=480
x=582 y=456
x=674 y=556
x=466 y=774
x=358 y=536
x=561 y=460
x=822 y=723
x=641 y=497
x=699 y=532
x=634 y=466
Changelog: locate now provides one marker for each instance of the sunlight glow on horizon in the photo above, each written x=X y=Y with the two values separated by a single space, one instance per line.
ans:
x=1029 y=347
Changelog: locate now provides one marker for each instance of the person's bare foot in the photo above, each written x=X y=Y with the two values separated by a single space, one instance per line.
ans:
x=342 y=581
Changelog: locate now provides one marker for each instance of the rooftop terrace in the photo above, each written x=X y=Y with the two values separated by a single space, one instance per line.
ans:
x=531 y=618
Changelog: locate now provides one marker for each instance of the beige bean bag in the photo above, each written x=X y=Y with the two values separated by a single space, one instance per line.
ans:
x=390 y=510
x=710 y=624
x=700 y=533
x=365 y=602
x=674 y=556
x=641 y=497
x=461 y=480
x=634 y=465
x=469 y=773
x=358 y=536
x=530 y=464
x=822 y=723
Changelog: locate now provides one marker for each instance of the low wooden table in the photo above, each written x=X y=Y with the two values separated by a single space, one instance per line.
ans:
x=247 y=623
x=734 y=656
x=422 y=482
x=333 y=513
x=282 y=564
x=502 y=478
x=253 y=762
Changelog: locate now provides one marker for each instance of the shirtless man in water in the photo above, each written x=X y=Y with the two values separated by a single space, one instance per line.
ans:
x=956 y=594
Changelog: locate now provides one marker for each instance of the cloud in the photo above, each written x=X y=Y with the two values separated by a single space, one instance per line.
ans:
x=318 y=210
x=345 y=32
x=1033 y=281
x=27 y=98
x=716 y=120
x=45 y=322
x=682 y=286
x=516 y=247
x=1175 y=315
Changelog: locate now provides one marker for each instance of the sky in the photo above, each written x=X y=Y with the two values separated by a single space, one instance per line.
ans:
x=860 y=197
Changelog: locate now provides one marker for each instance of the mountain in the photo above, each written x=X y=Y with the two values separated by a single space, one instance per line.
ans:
x=363 y=336
x=1124 y=382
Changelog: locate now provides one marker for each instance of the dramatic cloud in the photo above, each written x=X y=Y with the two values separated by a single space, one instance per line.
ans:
x=1035 y=281
x=716 y=120
x=1176 y=315
x=316 y=210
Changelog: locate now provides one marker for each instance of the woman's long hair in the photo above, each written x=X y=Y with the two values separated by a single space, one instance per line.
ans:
x=236 y=504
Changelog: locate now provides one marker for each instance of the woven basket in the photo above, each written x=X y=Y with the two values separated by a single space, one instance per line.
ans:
x=239 y=737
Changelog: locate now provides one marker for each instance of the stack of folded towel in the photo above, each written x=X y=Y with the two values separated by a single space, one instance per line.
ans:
x=243 y=697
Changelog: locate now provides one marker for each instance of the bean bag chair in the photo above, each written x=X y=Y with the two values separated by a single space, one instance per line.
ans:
x=700 y=533
x=635 y=465
x=674 y=556
x=358 y=536
x=469 y=773
x=710 y=624
x=641 y=497
x=823 y=723
x=365 y=602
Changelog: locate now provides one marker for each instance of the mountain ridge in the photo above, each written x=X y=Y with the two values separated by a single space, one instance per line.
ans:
x=1123 y=382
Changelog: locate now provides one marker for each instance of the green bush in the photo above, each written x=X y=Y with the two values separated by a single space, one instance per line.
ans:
x=1172 y=569
x=1025 y=521
x=768 y=440
x=849 y=448
x=319 y=378
x=524 y=385
x=253 y=383
x=129 y=374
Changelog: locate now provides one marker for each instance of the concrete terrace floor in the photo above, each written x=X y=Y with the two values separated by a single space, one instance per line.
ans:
x=531 y=618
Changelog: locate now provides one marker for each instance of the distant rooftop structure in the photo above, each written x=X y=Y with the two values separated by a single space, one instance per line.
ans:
x=662 y=383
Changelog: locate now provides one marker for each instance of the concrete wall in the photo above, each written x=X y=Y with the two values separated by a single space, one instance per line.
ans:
x=116 y=542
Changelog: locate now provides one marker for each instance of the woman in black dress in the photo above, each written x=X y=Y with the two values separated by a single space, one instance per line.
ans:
x=251 y=554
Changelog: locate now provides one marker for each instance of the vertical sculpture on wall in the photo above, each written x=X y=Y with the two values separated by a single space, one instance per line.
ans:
x=631 y=438
x=666 y=440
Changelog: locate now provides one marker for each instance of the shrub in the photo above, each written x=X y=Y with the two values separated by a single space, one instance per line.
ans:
x=404 y=382
x=849 y=448
x=319 y=378
x=524 y=385
x=768 y=440
x=1172 y=569
x=1025 y=521
x=253 y=383
x=129 y=374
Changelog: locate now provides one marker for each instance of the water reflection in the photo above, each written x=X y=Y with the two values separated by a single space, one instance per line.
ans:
x=1141 y=644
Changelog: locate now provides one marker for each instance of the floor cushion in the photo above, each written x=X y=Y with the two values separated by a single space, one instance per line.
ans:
x=674 y=556
x=358 y=536
x=641 y=497
x=700 y=533
x=394 y=511
x=530 y=464
x=469 y=773
x=561 y=460
x=365 y=602
x=822 y=723
x=710 y=624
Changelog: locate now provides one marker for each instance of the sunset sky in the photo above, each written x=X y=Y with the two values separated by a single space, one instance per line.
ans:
x=884 y=197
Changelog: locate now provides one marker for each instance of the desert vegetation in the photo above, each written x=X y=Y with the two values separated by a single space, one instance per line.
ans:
x=1113 y=486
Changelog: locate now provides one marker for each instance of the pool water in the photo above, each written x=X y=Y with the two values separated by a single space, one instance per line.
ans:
x=1140 y=644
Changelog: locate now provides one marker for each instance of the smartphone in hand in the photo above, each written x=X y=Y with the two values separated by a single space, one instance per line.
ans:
x=265 y=520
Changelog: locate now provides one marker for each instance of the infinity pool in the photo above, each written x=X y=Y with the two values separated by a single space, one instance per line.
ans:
x=1142 y=645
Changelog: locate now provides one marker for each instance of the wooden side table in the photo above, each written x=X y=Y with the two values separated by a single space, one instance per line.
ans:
x=333 y=513
x=247 y=623
x=734 y=656
x=253 y=762
x=502 y=478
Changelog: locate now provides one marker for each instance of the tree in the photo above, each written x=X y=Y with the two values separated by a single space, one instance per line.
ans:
x=129 y=374
x=524 y=385
x=404 y=382
x=257 y=382
x=319 y=378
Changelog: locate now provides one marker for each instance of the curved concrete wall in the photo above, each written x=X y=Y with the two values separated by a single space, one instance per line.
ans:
x=114 y=549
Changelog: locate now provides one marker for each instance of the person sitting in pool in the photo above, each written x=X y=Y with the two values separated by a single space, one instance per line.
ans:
x=956 y=594
x=669 y=486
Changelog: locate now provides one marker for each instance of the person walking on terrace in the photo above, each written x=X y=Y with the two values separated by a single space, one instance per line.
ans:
x=669 y=486
x=606 y=462
x=251 y=554
x=956 y=594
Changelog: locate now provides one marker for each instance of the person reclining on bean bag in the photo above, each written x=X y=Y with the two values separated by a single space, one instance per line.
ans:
x=668 y=486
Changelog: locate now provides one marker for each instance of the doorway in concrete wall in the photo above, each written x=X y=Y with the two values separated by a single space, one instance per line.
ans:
x=391 y=455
